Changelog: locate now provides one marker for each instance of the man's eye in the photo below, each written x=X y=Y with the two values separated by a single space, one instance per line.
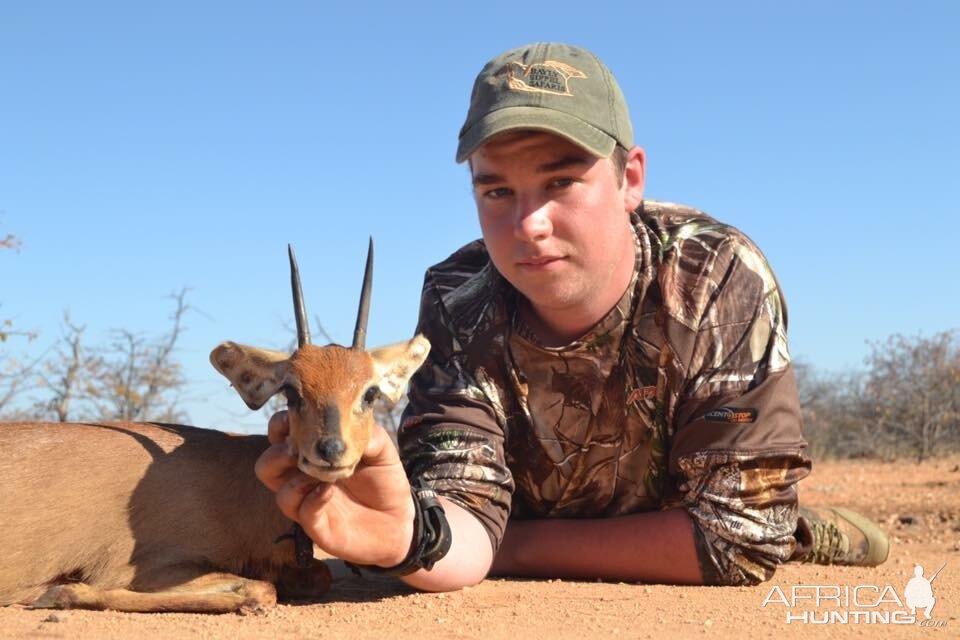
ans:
x=561 y=183
x=496 y=194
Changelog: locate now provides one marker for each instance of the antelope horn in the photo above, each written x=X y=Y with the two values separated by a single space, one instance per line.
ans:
x=363 y=312
x=299 y=310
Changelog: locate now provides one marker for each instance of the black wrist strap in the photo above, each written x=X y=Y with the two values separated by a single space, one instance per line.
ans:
x=302 y=545
x=431 y=534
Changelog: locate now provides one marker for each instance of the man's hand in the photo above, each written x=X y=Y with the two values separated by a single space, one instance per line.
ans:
x=366 y=518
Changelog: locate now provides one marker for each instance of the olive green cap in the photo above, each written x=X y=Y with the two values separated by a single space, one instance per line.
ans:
x=548 y=86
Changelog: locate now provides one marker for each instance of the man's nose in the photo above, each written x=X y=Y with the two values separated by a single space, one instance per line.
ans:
x=533 y=220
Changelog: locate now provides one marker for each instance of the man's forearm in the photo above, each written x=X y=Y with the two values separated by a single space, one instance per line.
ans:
x=657 y=546
x=468 y=560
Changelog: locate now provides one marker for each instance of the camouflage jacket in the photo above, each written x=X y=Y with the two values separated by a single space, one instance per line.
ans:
x=682 y=396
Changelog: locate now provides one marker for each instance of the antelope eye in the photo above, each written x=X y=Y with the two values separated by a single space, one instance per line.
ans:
x=369 y=396
x=293 y=396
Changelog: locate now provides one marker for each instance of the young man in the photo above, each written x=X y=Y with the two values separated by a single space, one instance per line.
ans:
x=609 y=392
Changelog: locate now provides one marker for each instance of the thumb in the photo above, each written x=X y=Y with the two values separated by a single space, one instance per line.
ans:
x=314 y=501
x=380 y=451
x=278 y=427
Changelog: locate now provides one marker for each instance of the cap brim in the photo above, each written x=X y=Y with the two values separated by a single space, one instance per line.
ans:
x=597 y=142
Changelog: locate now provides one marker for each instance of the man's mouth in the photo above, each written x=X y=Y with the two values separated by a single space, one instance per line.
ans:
x=539 y=261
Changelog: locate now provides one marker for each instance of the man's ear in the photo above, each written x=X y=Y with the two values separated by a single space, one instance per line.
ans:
x=395 y=364
x=634 y=178
x=256 y=374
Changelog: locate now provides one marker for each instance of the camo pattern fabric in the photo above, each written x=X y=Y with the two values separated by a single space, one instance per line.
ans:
x=682 y=396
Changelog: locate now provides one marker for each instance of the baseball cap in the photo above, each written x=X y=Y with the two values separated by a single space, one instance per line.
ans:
x=548 y=86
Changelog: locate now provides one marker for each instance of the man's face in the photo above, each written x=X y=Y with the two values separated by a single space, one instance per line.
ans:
x=555 y=220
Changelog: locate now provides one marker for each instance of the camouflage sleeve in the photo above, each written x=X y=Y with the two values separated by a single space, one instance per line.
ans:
x=745 y=515
x=737 y=450
x=450 y=434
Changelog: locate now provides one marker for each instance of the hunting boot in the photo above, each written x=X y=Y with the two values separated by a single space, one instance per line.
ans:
x=834 y=535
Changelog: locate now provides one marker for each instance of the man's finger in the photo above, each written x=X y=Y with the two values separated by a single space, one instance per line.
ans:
x=290 y=496
x=312 y=503
x=278 y=427
x=276 y=466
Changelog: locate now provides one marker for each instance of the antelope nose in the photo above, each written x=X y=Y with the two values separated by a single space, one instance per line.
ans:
x=330 y=449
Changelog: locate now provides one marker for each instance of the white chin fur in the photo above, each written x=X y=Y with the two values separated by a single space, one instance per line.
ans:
x=325 y=473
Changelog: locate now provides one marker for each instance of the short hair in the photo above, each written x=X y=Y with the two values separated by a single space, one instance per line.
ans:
x=618 y=157
x=619 y=160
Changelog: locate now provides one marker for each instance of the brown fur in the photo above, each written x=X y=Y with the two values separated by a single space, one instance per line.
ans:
x=149 y=517
x=153 y=517
x=315 y=367
x=331 y=382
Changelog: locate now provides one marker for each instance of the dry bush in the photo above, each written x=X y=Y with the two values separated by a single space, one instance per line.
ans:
x=906 y=403
x=134 y=377
x=15 y=371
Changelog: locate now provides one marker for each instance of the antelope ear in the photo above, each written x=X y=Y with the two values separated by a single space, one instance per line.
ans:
x=395 y=364
x=256 y=374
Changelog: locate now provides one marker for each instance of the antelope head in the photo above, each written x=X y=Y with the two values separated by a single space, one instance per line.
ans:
x=330 y=390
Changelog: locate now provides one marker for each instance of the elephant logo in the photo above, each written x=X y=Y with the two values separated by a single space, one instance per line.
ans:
x=548 y=76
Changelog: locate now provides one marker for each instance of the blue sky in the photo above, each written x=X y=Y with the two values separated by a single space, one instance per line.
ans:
x=148 y=147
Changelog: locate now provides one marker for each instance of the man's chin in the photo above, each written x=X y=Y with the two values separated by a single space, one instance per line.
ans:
x=551 y=298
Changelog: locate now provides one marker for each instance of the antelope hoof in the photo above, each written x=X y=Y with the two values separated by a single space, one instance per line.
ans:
x=63 y=596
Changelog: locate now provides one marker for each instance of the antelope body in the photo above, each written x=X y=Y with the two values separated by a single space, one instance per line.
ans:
x=145 y=516
x=159 y=517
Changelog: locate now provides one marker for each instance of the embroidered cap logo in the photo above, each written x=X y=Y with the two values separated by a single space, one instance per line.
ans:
x=549 y=76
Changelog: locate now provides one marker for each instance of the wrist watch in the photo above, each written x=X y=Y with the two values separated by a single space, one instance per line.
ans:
x=431 y=534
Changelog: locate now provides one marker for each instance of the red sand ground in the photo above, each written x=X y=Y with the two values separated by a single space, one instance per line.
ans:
x=919 y=505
